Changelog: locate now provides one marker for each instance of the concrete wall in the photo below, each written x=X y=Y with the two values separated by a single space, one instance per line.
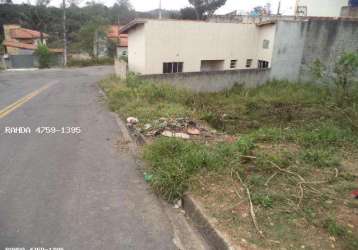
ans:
x=213 y=81
x=267 y=32
x=327 y=40
x=191 y=42
x=299 y=44
x=137 y=49
x=120 y=68
x=288 y=50
x=327 y=8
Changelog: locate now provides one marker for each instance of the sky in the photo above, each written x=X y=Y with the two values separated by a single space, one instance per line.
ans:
x=231 y=5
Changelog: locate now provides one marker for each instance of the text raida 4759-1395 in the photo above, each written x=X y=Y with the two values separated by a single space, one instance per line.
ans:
x=42 y=130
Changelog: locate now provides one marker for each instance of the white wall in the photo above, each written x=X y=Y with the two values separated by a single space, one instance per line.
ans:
x=266 y=32
x=328 y=8
x=191 y=42
x=137 y=50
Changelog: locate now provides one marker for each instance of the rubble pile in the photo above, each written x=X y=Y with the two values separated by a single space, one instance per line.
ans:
x=171 y=127
x=183 y=128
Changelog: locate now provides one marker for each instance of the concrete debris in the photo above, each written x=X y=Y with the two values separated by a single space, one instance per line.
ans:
x=178 y=204
x=132 y=120
x=147 y=126
x=168 y=133
x=193 y=131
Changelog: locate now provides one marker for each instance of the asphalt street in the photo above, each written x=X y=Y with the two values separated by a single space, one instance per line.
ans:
x=72 y=188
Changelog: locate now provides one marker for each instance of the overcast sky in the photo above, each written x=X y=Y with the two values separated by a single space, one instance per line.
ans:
x=231 y=5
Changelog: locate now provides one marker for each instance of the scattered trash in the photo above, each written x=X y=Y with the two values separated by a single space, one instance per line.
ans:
x=132 y=120
x=355 y=194
x=148 y=177
x=147 y=126
x=177 y=135
x=178 y=204
x=193 y=131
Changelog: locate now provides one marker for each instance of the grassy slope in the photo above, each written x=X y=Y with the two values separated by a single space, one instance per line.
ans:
x=297 y=138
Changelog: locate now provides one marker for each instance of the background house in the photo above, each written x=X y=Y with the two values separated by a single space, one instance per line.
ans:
x=20 y=44
x=19 y=41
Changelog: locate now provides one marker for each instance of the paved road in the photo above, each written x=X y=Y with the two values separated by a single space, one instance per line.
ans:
x=70 y=191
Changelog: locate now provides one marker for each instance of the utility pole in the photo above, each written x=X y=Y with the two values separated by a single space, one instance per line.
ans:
x=279 y=8
x=64 y=34
x=160 y=9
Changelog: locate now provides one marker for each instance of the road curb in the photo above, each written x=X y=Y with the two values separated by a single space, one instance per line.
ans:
x=204 y=224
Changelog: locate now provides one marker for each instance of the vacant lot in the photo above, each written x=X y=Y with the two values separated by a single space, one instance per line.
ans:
x=278 y=168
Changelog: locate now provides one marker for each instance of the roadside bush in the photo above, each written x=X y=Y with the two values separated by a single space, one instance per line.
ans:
x=44 y=56
x=344 y=77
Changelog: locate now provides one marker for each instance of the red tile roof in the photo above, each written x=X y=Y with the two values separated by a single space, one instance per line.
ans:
x=27 y=46
x=21 y=33
x=19 y=45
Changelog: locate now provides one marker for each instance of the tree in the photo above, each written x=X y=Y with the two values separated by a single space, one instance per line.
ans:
x=206 y=7
x=38 y=17
x=89 y=33
x=122 y=12
x=343 y=76
x=188 y=13
x=346 y=70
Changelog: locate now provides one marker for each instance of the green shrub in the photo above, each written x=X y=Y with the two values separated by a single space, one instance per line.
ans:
x=325 y=133
x=320 y=157
x=44 y=56
x=262 y=199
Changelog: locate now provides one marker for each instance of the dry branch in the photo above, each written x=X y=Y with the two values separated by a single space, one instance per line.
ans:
x=252 y=211
x=270 y=178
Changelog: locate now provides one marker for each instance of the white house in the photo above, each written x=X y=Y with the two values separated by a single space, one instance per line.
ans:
x=170 y=46
x=324 y=8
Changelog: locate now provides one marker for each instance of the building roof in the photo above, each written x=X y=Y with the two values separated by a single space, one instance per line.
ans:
x=21 y=33
x=134 y=23
x=14 y=44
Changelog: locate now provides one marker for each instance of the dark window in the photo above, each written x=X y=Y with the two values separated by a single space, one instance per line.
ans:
x=248 y=63
x=233 y=64
x=180 y=67
x=172 y=67
x=262 y=64
x=266 y=44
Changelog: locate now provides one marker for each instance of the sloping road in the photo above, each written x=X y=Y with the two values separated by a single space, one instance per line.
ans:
x=71 y=191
